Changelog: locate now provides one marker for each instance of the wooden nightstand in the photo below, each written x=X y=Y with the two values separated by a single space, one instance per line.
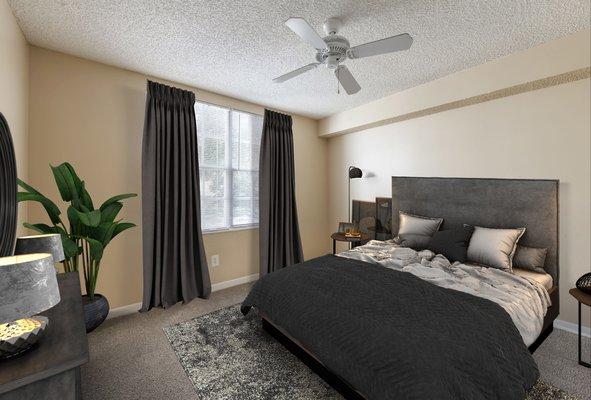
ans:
x=582 y=298
x=340 y=237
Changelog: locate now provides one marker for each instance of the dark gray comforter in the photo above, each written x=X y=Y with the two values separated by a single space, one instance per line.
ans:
x=392 y=335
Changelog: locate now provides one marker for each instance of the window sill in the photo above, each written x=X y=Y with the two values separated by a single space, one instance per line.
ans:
x=236 y=229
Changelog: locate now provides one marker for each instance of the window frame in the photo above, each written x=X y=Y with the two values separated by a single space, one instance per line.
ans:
x=228 y=168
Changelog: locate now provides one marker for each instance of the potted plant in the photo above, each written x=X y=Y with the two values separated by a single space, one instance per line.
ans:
x=88 y=233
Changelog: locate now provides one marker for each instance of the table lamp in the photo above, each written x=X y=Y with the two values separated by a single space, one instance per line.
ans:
x=49 y=243
x=28 y=286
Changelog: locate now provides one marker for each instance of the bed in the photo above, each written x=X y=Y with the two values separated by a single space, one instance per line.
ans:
x=378 y=333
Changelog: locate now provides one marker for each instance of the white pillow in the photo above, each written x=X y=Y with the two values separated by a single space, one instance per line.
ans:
x=494 y=247
x=410 y=224
x=415 y=231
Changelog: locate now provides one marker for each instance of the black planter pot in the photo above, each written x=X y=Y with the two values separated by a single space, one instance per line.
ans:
x=95 y=311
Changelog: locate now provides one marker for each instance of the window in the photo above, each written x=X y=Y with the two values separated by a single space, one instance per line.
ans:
x=229 y=146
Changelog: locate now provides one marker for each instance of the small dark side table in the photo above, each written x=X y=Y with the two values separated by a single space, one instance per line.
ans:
x=340 y=237
x=51 y=370
x=582 y=298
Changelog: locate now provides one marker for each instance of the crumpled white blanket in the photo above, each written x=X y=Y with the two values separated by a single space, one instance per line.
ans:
x=524 y=299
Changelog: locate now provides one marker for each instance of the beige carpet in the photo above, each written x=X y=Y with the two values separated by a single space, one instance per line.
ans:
x=130 y=357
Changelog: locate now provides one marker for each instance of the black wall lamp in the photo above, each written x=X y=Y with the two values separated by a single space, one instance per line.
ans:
x=354 y=173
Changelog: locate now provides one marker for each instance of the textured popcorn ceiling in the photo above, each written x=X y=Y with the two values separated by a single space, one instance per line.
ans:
x=237 y=47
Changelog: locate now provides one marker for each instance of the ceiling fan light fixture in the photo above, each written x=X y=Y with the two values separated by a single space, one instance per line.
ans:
x=334 y=49
x=332 y=62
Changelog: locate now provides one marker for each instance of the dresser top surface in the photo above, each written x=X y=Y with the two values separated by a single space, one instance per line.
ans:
x=63 y=346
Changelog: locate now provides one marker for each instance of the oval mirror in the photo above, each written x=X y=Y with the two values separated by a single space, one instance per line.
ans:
x=8 y=206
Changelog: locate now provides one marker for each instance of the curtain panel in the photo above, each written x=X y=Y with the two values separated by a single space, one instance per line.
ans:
x=279 y=233
x=175 y=264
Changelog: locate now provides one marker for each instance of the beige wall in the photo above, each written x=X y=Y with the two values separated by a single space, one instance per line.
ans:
x=538 y=134
x=92 y=115
x=14 y=90
x=549 y=59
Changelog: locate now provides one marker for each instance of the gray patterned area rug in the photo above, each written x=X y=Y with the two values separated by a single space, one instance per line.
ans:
x=229 y=356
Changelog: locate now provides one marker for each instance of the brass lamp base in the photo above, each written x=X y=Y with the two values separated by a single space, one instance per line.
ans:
x=18 y=336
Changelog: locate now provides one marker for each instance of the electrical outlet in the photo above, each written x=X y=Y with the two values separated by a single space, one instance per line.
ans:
x=215 y=261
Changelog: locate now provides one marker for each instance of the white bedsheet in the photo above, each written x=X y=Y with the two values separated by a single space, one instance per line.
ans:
x=525 y=300
x=543 y=279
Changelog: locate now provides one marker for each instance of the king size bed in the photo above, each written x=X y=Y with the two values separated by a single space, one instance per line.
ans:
x=385 y=321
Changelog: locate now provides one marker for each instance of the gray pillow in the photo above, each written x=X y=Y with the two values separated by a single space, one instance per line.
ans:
x=494 y=247
x=532 y=258
x=415 y=231
x=415 y=242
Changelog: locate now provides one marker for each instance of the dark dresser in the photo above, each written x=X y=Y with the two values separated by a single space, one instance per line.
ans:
x=51 y=370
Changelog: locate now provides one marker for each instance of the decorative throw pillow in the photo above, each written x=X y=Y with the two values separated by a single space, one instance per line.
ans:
x=532 y=258
x=494 y=247
x=417 y=225
x=415 y=242
x=452 y=243
x=415 y=231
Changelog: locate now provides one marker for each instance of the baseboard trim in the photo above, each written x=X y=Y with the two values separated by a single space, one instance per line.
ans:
x=133 y=308
x=234 y=282
x=573 y=328
x=125 y=310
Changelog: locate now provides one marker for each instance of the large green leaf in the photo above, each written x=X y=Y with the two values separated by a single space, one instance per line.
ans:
x=61 y=231
x=122 y=226
x=73 y=173
x=28 y=188
x=71 y=249
x=52 y=210
x=104 y=232
x=65 y=183
x=89 y=218
x=109 y=213
x=75 y=224
x=85 y=198
x=41 y=228
x=117 y=198
x=96 y=249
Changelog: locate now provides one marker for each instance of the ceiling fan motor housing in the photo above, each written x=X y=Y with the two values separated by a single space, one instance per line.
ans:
x=336 y=52
x=332 y=25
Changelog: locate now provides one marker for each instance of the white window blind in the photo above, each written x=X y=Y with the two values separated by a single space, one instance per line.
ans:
x=229 y=147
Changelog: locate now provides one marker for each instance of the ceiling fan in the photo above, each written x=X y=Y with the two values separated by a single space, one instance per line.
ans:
x=333 y=50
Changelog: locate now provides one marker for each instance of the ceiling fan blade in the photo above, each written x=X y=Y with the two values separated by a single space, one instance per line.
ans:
x=347 y=80
x=295 y=73
x=383 y=46
x=302 y=28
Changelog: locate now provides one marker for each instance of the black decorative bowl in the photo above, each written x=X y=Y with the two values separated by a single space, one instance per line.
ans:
x=584 y=283
x=95 y=311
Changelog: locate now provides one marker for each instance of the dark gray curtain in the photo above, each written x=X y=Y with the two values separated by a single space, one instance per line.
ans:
x=175 y=265
x=279 y=233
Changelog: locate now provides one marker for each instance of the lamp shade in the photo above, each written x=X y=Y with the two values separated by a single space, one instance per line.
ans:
x=50 y=243
x=355 y=172
x=28 y=286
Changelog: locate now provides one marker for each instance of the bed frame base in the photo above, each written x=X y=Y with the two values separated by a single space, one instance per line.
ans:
x=545 y=333
x=335 y=381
